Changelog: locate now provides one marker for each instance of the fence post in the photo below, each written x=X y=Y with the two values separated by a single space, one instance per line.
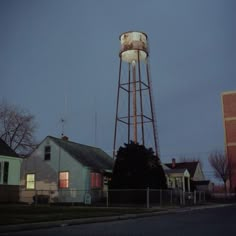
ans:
x=147 y=197
x=107 y=195
x=160 y=197
x=180 y=197
x=36 y=197
x=194 y=197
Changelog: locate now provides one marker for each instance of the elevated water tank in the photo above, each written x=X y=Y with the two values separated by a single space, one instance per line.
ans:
x=133 y=46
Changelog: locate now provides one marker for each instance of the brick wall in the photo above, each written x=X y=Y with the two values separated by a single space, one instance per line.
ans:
x=231 y=150
x=230 y=131
x=229 y=104
x=229 y=117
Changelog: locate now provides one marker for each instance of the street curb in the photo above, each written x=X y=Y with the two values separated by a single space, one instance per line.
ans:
x=64 y=223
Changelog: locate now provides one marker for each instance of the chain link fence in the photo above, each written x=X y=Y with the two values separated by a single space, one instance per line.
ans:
x=114 y=198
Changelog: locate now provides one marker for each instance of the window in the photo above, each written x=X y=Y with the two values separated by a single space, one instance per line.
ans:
x=178 y=182
x=47 y=153
x=30 y=181
x=95 y=180
x=64 y=179
x=0 y=172
x=5 y=172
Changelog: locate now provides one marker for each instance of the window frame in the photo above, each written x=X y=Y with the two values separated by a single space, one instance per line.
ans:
x=47 y=153
x=64 y=183
x=30 y=181
x=96 y=180
x=1 y=171
x=4 y=172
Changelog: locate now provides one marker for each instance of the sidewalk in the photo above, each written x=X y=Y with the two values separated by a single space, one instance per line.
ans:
x=63 y=223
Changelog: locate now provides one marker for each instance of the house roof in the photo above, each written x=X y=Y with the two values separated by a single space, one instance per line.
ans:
x=5 y=150
x=202 y=182
x=173 y=171
x=177 y=172
x=89 y=156
x=190 y=166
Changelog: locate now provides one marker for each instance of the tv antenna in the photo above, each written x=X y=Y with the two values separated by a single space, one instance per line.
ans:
x=62 y=120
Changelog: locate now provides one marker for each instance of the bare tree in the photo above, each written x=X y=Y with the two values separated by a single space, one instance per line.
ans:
x=220 y=165
x=17 y=128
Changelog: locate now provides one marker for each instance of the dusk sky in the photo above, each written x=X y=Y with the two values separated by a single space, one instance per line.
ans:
x=60 y=59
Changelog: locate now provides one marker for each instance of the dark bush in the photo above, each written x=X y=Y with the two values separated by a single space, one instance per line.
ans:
x=136 y=167
x=41 y=199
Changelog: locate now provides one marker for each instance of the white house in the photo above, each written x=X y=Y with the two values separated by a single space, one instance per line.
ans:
x=193 y=167
x=10 y=164
x=64 y=171
x=196 y=175
x=178 y=179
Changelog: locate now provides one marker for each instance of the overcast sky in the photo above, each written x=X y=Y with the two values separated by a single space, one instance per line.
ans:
x=59 y=59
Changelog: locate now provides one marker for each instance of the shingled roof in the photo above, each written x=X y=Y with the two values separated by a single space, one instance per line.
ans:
x=89 y=156
x=5 y=150
x=190 y=166
x=202 y=182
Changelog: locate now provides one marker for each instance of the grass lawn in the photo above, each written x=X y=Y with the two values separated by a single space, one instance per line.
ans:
x=18 y=214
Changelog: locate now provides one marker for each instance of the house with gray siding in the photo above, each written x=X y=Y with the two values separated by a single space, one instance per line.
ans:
x=60 y=170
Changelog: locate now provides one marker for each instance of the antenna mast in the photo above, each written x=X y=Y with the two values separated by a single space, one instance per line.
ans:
x=62 y=126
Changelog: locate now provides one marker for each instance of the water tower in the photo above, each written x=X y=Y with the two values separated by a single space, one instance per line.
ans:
x=135 y=117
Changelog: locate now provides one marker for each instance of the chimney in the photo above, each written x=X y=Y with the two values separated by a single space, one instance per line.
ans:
x=173 y=162
x=65 y=138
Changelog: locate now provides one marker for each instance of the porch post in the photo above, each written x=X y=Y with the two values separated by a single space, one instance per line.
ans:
x=189 y=190
x=183 y=180
x=183 y=183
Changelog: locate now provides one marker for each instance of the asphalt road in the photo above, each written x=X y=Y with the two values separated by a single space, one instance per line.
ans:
x=216 y=221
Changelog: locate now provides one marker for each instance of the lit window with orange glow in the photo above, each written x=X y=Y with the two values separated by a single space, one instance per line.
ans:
x=95 y=180
x=64 y=179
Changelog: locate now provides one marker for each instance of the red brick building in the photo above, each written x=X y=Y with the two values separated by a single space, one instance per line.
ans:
x=229 y=119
